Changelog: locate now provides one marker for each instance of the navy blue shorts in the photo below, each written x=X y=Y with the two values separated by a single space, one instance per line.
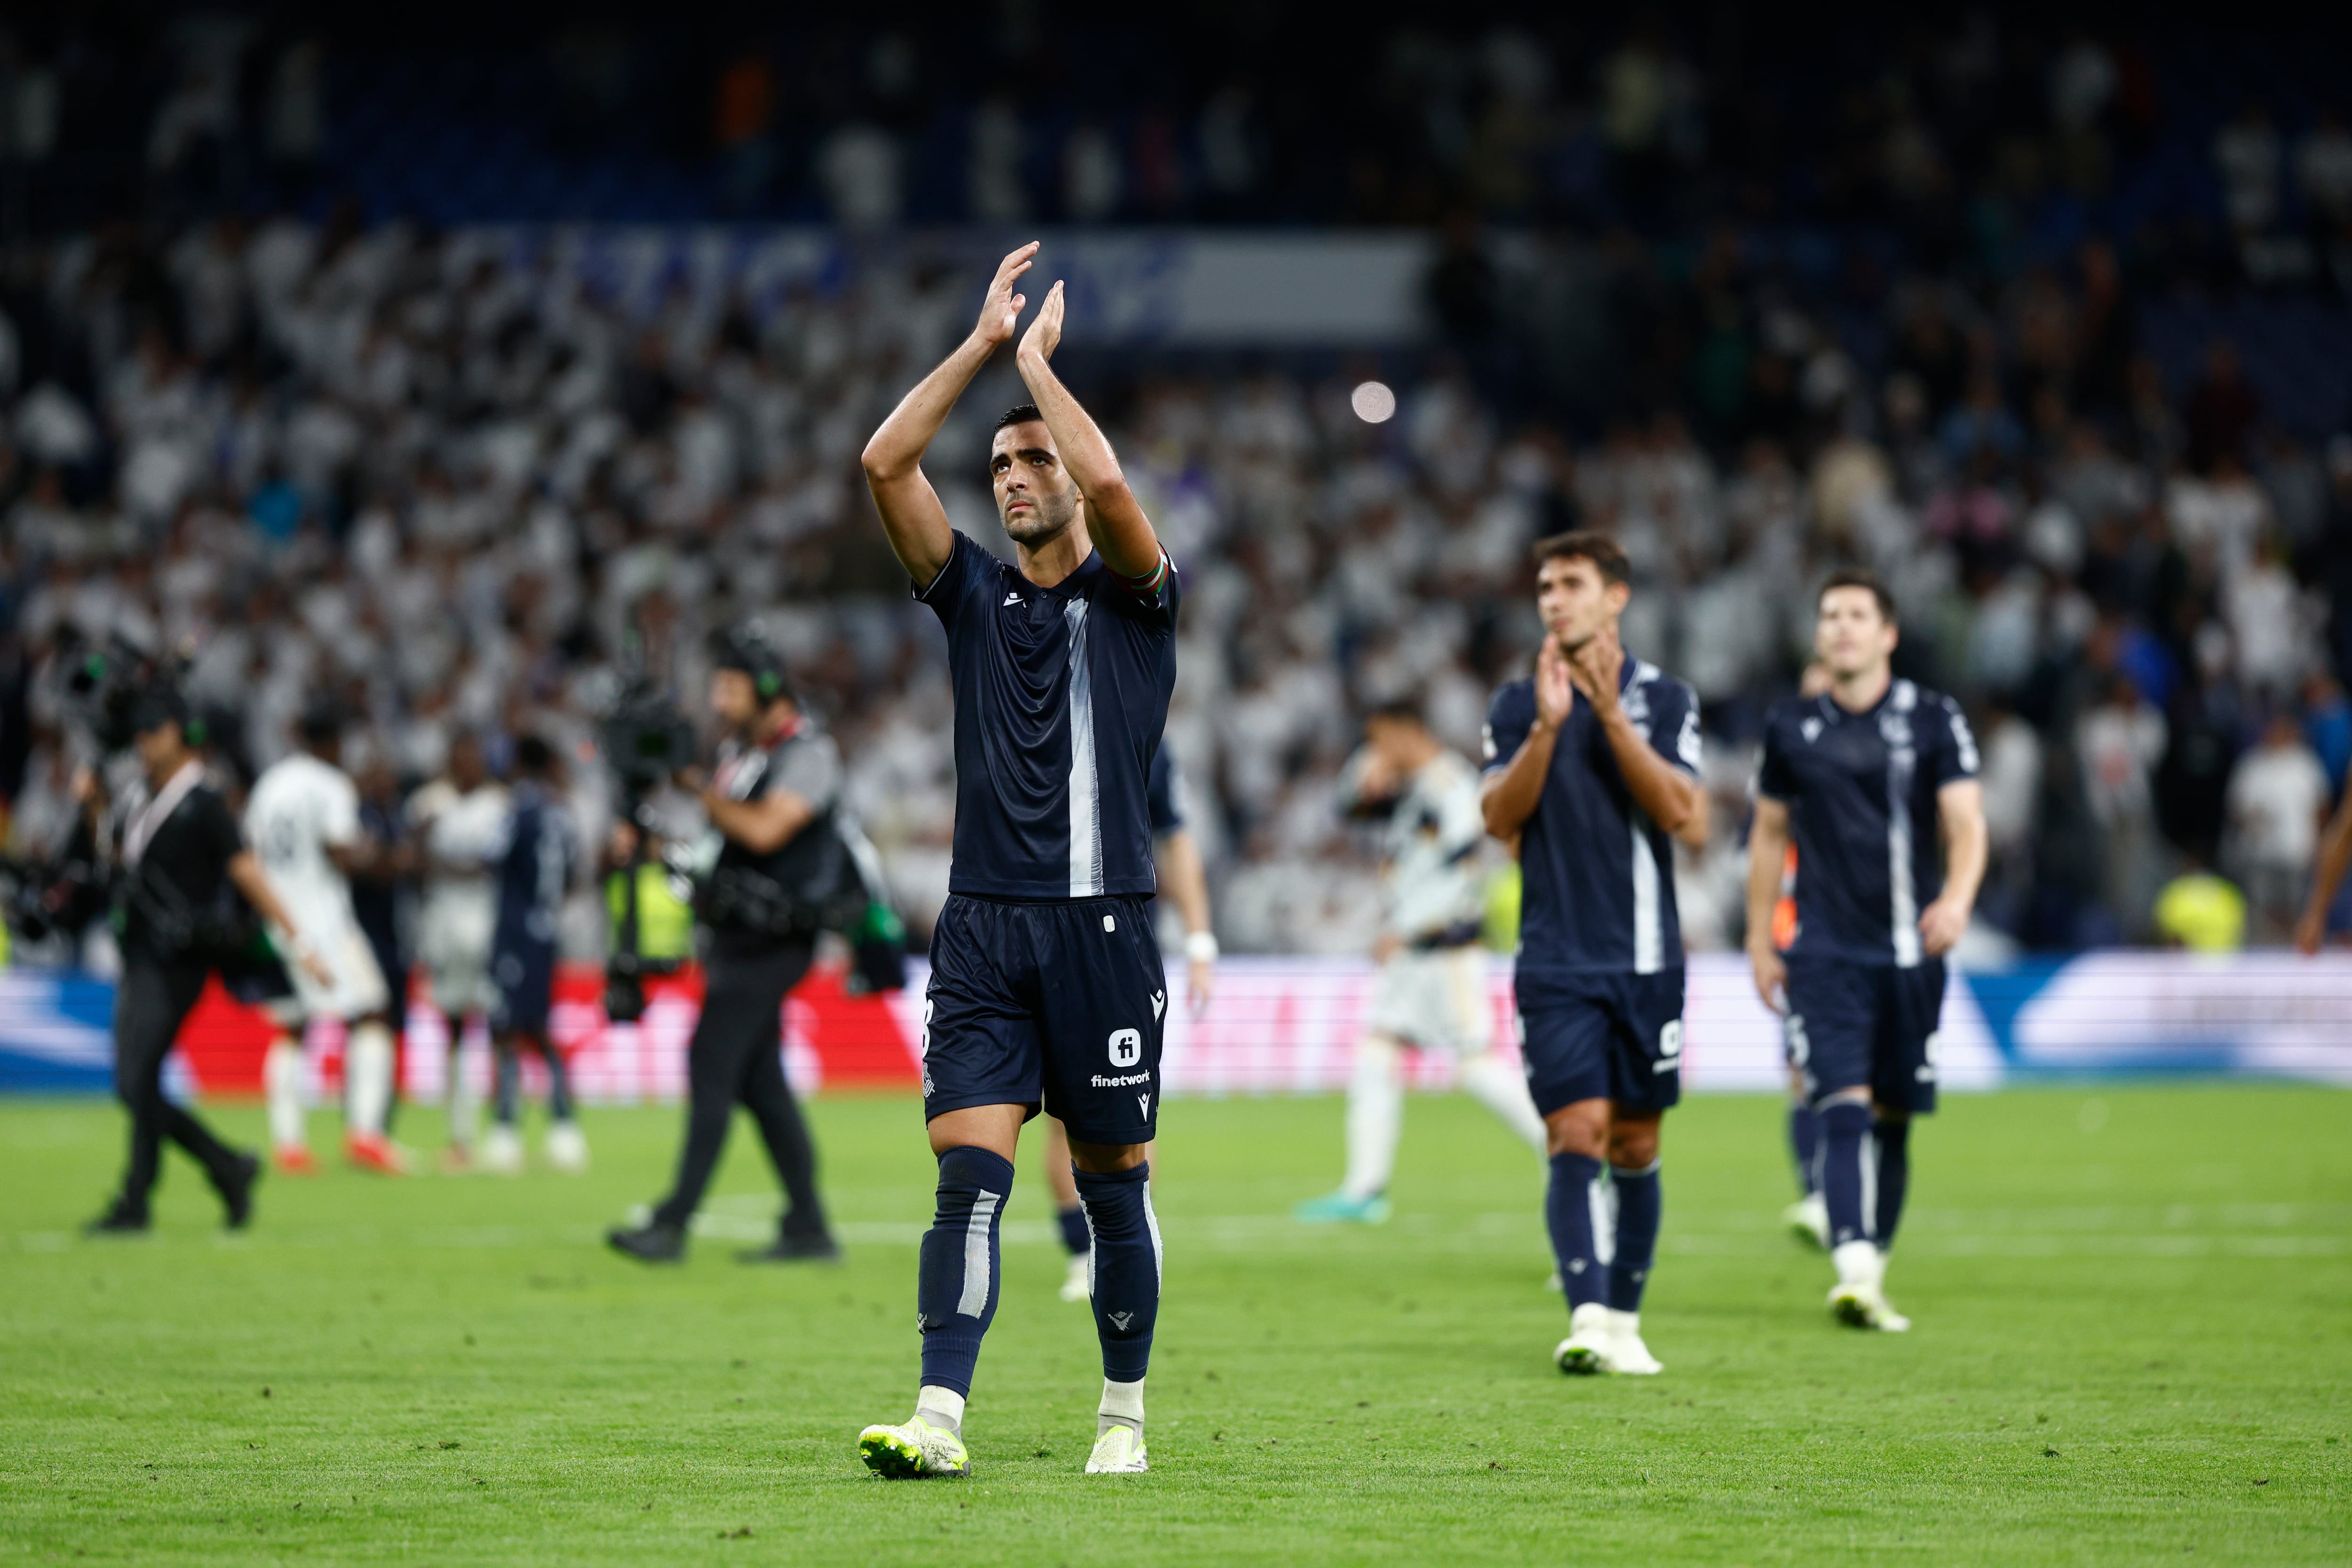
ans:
x=1602 y=1037
x=524 y=973
x=1854 y=1025
x=1056 y=1004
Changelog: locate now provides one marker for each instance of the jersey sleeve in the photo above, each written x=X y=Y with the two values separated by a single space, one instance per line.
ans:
x=1673 y=725
x=1461 y=814
x=1774 y=780
x=339 y=814
x=1164 y=794
x=945 y=594
x=1509 y=716
x=811 y=769
x=1950 y=754
x=1157 y=592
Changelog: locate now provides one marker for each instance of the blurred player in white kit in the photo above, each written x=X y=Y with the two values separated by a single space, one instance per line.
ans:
x=462 y=822
x=1432 y=992
x=303 y=821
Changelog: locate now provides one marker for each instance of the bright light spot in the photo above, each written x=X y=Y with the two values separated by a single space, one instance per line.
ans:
x=1373 y=402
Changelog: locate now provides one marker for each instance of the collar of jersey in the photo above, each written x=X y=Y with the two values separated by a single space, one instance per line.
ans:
x=1068 y=585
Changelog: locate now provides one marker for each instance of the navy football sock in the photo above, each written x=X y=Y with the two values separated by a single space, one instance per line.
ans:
x=1638 y=1208
x=1805 y=1146
x=1574 y=1216
x=1894 y=1150
x=1126 y=1267
x=955 y=1288
x=1845 y=1153
x=1073 y=1221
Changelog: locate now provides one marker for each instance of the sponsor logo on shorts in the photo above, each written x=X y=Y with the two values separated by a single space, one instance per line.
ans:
x=1127 y=1082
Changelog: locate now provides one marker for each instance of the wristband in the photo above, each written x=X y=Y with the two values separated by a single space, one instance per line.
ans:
x=1200 y=947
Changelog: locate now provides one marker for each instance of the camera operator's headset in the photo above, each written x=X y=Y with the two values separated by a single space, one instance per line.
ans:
x=746 y=647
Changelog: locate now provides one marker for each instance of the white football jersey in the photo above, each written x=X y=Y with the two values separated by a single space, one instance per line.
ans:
x=1434 y=876
x=299 y=807
x=460 y=911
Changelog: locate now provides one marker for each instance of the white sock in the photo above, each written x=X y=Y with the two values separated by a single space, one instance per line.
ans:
x=465 y=1102
x=1122 y=1405
x=368 y=1063
x=281 y=1082
x=1375 y=1116
x=942 y=1407
x=1492 y=1083
x=1859 y=1263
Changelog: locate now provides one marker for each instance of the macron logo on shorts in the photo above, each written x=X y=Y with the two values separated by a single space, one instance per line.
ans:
x=1158 y=1003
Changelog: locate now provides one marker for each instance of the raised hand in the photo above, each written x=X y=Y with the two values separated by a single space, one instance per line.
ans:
x=1555 y=692
x=1044 y=334
x=1596 y=666
x=1001 y=311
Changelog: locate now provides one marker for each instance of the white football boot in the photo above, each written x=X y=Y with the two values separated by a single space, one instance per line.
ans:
x=1808 y=1220
x=1117 y=1452
x=1077 y=1285
x=1859 y=1298
x=502 y=1151
x=1627 y=1355
x=567 y=1148
x=1592 y=1336
x=912 y=1449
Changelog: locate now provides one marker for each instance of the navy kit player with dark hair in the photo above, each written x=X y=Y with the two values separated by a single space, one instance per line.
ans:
x=1592 y=768
x=1876 y=778
x=532 y=869
x=1046 y=984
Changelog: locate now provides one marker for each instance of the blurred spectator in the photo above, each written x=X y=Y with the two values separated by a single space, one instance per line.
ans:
x=2119 y=741
x=2278 y=800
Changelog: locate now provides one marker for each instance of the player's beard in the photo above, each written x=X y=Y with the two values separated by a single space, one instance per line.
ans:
x=1048 y=518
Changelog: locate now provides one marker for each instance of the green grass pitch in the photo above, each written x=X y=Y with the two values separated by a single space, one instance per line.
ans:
x=2134 y=1344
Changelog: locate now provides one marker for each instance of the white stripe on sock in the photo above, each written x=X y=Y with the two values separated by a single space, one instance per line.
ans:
x=1604 y=1222
x=1869 y=1186
x=974 y=1300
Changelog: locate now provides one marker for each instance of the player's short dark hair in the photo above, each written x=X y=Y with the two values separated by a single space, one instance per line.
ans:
x=1861 y=577
x=1397 y=710
x=1020 y=413
x=1608 y=556
x=321 y=722
x=534 y=758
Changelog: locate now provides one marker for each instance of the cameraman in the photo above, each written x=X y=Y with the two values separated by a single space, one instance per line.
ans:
x=184 y=863
x=772 y=800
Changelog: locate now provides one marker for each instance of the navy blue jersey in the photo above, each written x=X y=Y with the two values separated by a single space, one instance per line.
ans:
x=1060 y=696
x=1597 y=874
x=1170 y=799
x=532 y=869
x=1861 y=793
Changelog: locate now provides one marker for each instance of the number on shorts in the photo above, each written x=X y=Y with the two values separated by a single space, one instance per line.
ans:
x=1670 y=1039
x=1125 y=1049
x=1935 y=1041
x=929 y=1004
x=1800 y=1049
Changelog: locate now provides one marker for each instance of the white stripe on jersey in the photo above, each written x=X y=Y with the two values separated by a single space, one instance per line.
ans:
x=1649 y=932
x=1903 y=900
x=1085 y=789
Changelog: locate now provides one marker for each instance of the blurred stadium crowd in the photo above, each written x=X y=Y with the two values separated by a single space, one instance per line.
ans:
x=1753 y=330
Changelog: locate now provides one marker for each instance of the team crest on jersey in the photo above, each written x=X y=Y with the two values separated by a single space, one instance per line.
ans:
x=1812 y=729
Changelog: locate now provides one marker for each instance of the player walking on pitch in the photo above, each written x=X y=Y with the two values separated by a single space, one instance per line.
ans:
x=1872 y=776
x=1046 y=982
x=462 y=820
x=1432 y=992
x=303 y=821
x=1591 y=765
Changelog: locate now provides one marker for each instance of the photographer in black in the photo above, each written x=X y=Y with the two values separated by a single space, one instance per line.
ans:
x=782 y=874
x=186 y=886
